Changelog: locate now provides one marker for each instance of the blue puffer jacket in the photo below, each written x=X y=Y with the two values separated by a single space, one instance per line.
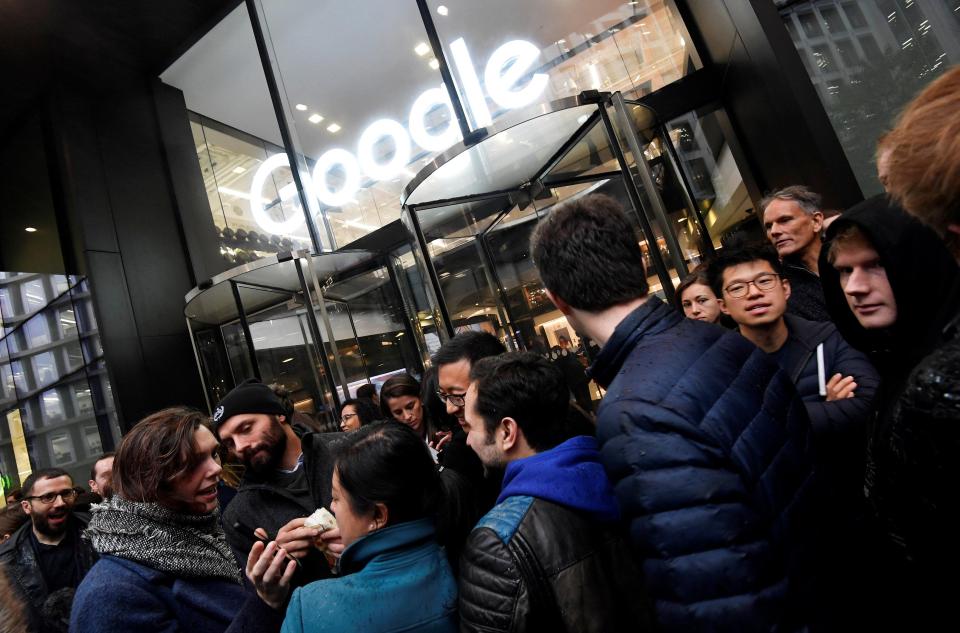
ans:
x=708 y=447
x=394 y=579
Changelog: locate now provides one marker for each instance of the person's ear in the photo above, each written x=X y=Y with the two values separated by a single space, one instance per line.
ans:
x=26 y=507
x=817 y=217
x=282 y=419
x=381 y=516
x=508 y=434
x=562 y=305
x=723 y=306
x=786 y=287
x=91 y=485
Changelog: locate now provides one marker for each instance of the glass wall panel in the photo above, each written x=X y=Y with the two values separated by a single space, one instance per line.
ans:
x=867 y=59
x=235 y=131
x=506 y=54
x=376 y=116
x=55 y=402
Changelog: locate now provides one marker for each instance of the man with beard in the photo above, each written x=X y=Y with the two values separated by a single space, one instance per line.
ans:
x=101 y=476
x=287 y=476
x=46 y=559
x=548 y=556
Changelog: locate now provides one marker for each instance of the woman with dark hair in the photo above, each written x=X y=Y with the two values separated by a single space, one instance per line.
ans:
x=393 y=574
x=400 y=400
x=358 y=412
x=696 y=299
x=164 y=562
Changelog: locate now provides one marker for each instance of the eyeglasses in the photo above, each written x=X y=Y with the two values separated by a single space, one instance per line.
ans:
x=346 y=417
x=67 y=495
x=454 y=399
x=764 y=283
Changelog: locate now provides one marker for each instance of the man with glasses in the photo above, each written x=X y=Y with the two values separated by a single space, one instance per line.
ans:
x=836 y=382
x=46 y=559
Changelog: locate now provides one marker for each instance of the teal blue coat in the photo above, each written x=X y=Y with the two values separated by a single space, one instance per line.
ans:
x=394 y=579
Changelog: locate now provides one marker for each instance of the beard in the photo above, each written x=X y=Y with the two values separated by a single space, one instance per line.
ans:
x=267 y=455
x=41 y=522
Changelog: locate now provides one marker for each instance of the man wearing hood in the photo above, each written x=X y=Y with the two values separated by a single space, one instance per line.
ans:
x=547 y=557
x=886 y=279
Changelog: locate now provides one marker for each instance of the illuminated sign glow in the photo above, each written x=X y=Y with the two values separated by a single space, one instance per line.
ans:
x=506 y=67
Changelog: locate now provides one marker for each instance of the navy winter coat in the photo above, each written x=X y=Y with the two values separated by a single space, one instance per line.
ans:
x=709 y=450
x=121 y=595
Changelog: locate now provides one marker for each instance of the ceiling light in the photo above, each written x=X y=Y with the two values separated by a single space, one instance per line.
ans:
x=239 y=170
x=333 y=128
x=30 y=229
x=300 y=106
x=315 y=118
x=442 y=10
x=421 y=49
x=434 y=64
x=287 y=360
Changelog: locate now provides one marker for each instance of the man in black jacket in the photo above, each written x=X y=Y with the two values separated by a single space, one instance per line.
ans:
x=703 y=436
x=547 y=557
x=46 y=559
x=793 y=220
x=286 y=478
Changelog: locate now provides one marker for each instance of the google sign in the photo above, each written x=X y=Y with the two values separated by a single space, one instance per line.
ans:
x=506 y=67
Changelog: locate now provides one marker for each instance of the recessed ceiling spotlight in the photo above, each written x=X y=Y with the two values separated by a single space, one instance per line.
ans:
x=301 y=107
x=315 y=118
x=30 y=229
x=333 y=128
x=442 y=10
x=239 y=170
x=421 y=49
x=434 y=64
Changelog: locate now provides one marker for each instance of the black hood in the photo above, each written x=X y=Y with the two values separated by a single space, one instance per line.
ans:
x=921 y=272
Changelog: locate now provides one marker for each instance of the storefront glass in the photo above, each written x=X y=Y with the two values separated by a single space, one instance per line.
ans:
x=867 y=60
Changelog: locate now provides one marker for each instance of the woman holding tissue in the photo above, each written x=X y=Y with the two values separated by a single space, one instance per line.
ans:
x=385 y=493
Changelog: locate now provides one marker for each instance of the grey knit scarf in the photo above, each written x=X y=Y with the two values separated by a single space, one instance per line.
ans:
x=183 y=545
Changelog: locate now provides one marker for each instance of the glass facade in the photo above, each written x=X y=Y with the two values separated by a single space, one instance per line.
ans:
x=56 y=406
x=867 y=59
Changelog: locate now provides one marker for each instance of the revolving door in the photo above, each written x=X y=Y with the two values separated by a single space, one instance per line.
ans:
x=473 y=209
x=319 y=326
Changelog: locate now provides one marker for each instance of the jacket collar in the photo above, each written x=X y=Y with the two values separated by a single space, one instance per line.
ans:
x=652 y=317
x=389 y=540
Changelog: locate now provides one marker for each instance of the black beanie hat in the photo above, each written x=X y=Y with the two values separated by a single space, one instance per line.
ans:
x=250 y=396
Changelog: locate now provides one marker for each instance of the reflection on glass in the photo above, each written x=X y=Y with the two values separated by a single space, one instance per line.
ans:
x=864 y=81
x=45 y=368
x=52 y=406
x=33 y=295
x=37 y=331
x=91 y=440
x=61 y=448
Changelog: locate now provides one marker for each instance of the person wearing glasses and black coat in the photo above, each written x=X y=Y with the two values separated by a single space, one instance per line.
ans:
x=46 y=558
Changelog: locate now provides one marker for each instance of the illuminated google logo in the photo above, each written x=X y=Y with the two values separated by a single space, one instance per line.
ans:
x=506 y=67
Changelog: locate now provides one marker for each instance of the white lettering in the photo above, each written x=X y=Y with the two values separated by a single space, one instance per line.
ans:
x=368 y=144
x=501 y=81
x=471 y=83
x=351 y=177
x=418 y=113
x=256 y=204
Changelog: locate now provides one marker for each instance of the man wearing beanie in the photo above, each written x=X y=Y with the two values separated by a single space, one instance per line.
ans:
x=287 y=476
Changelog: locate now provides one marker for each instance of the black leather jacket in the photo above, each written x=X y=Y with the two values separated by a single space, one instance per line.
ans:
x=18 y=559
x=532 y=565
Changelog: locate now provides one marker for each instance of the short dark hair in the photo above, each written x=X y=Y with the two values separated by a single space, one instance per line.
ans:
x=367 y=412
x=366 y=391
x=44 y=473
x=587 y=254
x=728 y=258
x=11 y=518
x=93 y=468
x=697 y=276
x=388 y=463
x=397 y=387
x=472 y=346
x=157 y=450
x=806 y=198
x=526 y=387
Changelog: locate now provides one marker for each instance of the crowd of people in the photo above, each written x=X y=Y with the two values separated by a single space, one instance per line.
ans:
x=775 y=452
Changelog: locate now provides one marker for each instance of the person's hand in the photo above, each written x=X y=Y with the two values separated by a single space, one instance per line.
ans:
x=334 y=543
x=293 y=537
x=440 y=439
x=268 y=574
x=840 y=387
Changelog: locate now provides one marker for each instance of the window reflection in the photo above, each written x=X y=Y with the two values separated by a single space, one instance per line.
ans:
x=52 y=406
x=34 y=295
